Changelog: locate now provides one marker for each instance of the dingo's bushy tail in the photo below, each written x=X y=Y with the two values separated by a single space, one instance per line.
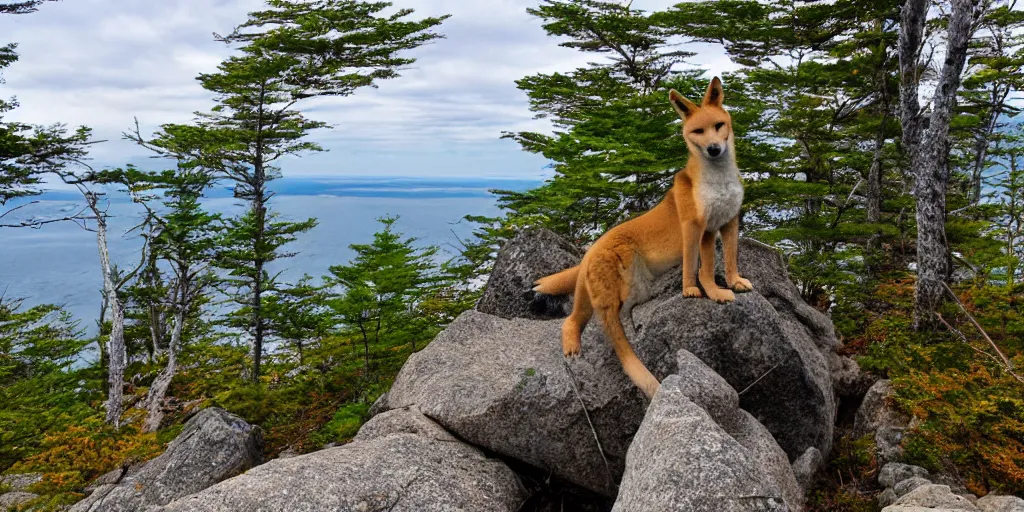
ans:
x=562 y=283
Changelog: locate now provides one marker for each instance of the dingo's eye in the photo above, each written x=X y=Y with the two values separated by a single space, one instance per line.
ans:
x=719 y=126
x=698 y=131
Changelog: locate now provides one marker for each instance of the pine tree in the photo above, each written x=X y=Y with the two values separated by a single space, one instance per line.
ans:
x=184 y=237
x=614 y=147
x=298 y=317
x=817 y=97
x=28 y=152
x=290 y=52
x=993 y=73
x=1008 y=185
x=380 y=291
x=929 y=148
x=39 y=387
x=21 y=7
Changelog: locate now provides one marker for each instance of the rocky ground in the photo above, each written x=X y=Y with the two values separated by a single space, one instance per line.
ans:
x=491 y=417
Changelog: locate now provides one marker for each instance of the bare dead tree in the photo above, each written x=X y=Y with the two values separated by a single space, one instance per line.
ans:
x=929 y=149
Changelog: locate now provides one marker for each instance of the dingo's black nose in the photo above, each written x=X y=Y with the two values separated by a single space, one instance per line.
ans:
x=714 y=150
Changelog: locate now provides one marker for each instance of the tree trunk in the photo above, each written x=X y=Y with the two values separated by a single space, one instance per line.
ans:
x=257 y=295
x=875 y=178
x=157 y=392
x=874 y=213
x=260 y=210
x=929 y=156
x=116 y=350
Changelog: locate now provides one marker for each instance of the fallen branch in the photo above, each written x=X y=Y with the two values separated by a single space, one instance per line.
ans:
x=963 y=338
x=1002 y=360
x=970 y=317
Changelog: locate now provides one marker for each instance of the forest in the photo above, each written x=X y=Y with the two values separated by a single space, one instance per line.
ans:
x=882 y=153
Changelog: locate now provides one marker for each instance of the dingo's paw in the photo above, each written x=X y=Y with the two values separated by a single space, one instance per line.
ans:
x=692 y=291
x=721 y=295
x=740 y=284
x=571 y=348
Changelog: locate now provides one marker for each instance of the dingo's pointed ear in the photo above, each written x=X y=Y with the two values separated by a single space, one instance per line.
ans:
x=714 y=95
x=683 y=106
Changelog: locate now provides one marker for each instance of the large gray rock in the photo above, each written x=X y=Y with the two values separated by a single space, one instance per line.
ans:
x=877 y=416
x=701 y=385
x=769 y=344
x=531 y=255
x=992 y=503
x=214 y=445
x=15 y=498
x=682 y=460
x=932 y=496
x=504 y=385
x=399 y=461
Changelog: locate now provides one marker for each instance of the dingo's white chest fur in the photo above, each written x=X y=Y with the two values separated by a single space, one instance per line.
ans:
x=721 y=193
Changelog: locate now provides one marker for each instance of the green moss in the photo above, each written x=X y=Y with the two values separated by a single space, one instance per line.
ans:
x=342 y=427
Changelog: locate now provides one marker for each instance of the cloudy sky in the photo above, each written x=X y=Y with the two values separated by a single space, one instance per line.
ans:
x=103 y=62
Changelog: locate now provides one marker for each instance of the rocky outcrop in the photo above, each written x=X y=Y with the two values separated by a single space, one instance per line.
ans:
x=768 y=344
x=749 y=406
x=531 y=255
x=503 y=384
x=912 y=489
x=213 y=446
x=696 y=451
x=399 y=461
x=931 y=497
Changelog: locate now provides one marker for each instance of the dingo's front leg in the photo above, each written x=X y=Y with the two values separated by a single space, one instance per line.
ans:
x=730 y=248
x=692 y=231
x=707 y=270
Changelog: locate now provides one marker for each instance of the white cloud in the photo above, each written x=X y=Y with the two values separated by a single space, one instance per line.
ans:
x=103 y=62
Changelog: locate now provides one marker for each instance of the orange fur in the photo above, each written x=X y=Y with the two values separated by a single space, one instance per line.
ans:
x=558 y=284
x=610 y=275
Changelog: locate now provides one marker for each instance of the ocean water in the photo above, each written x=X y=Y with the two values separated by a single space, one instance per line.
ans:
x=59 y=264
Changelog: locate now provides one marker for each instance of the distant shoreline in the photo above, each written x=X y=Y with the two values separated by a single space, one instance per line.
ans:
x=408 y=187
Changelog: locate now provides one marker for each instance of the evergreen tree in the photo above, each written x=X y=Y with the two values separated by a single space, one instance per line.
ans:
x=993 y=73
x=381 y=290
x=1008 y=185
x=614 y=148
x=290 y=52
x=39 y=388
x=28 y=152
x=299 y=317
x=21 y=7
x=928 y=146
x=184 y=236
x=817 y=97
